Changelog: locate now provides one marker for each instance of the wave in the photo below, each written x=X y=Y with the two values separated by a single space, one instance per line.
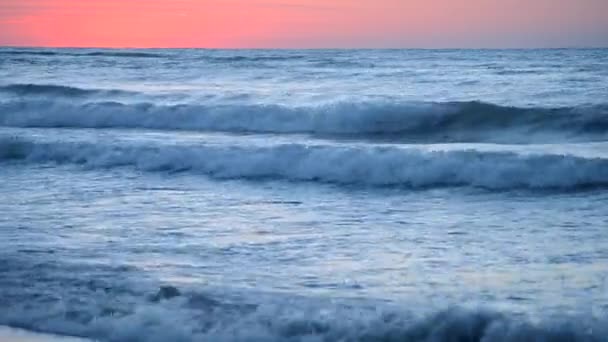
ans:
x=123 y=54
x=147 y=54
x=108 y=308
x=56 y=90
x=519 y=72
x=286 y=322
x=388 y=119
x=252 y=58
x=368 y=166
x=109 y=53
x=28 y=52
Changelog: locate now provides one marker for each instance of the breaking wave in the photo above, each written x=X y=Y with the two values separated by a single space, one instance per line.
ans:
x=198 y=318
x=114 y=303
x=448 y=121
x=363 y=165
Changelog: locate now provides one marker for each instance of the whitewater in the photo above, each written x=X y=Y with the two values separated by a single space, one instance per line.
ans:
x=304 y=195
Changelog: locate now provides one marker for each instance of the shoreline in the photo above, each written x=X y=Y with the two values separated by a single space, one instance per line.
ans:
x=9 y=334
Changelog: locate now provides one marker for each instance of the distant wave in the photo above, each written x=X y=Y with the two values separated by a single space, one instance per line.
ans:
x=28 y=52
x=227 y=58
x=55 y=90
x=224 y=58
x=123 y=54
x=519 y=72
x=82 y=53
x=366 y=165
x=385 y=119
x=251 y=58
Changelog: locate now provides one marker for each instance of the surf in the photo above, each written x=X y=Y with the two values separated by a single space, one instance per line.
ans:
x=54 y=106
x=367 y=166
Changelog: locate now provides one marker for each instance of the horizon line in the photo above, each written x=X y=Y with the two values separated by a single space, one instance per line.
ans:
x=303 y=48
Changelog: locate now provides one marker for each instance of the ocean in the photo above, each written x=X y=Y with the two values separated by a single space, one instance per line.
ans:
x=304 y=195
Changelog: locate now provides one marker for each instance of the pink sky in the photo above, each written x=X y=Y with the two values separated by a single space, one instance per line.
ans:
x=304 y=23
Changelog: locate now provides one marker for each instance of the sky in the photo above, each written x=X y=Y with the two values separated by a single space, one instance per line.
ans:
x=305 y=23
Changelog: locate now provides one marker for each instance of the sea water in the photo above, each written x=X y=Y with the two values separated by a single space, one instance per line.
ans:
x=305 y=195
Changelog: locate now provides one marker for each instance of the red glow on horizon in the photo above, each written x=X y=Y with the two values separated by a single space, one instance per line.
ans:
x=303 y=23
